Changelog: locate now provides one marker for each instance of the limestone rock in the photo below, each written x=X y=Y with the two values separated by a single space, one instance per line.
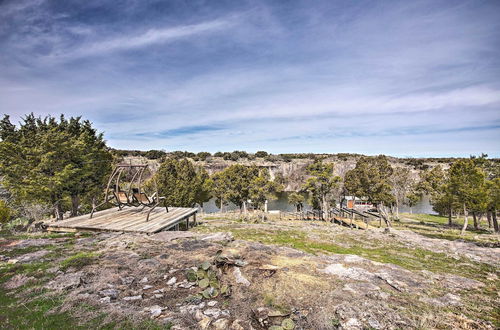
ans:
x=213 y=312
x=132 y=298
x=205 y=323
x=239 y=277
x=65 y=281
x=112 y=293
x=155 y=311
x=221 y=324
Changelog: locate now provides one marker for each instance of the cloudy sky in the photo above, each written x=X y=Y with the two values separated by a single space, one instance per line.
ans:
x=405 y=78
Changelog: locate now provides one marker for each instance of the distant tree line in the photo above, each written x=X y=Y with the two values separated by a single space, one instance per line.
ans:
x=63 y=164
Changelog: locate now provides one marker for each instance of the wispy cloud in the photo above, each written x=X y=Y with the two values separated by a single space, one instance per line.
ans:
x=395 y=78
x=147 y=38
x=181 y=131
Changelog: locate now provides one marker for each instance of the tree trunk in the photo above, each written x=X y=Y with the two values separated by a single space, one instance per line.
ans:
x=397 y=209
x=495 y=222
x=383 y=215
x=75 y=204
x=488 y=216
x=466 y=220
x=474 y=217
x=324 y=206
x=450 y=222
x=58 y=211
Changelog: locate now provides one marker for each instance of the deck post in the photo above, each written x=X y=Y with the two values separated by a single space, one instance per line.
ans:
x=187 y=223
x=194 y=220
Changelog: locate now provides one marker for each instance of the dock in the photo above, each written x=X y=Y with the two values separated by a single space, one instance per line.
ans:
x=128 y=219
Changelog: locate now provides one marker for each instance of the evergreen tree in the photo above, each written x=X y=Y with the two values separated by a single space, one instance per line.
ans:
x=47 y=161
x=493 y=201
x=371 y=179
x=297 y=200
x=401 y=185
x=321 y=185
x=238 y=180
x=220 y=189
x=262 y=189
x=182 y=184
x=467 y=184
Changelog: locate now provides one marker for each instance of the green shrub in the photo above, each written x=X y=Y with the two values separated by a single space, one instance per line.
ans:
x=5 y=212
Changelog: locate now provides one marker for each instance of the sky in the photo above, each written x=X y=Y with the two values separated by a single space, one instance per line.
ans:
x=402 y=78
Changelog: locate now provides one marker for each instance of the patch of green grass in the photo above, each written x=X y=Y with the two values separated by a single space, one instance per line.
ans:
x=79 y=260
x=434 y=226
x=31 y=314
x=270 y=301
x=35 y=269
x=8 y=234
x=41 y=313
x=433 y=218
x=17 y=252
x=409 y=258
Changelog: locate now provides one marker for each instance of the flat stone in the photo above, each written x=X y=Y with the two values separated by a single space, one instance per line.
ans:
x=236 y=325
x=105 y=300
x=172 y=281
x=221 y=324
x=374 y=324
x=354 y=273
x=198 y=315
x=189 y=309
x=132 y=298
x=240 y=279
x=112 y=293
x=34 y=256
x=158 y=295
x=65 y=281
x=212 y=303
x=127 y=280
x=214 y=312
x=205 y=323
x=352 y=324
x=155 y=311
x=219 y=237
x=186 y=285
x=147 y=287
x=149 y=263
x=144 y=280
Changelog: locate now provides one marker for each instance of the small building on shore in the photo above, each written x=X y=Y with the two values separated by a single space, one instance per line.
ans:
x=357 y=203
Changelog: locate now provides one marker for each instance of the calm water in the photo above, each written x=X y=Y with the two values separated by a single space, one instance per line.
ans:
x=423 y=206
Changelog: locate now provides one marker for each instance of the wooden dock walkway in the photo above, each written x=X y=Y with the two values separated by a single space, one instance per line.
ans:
x=128 y=219
x=350 y=222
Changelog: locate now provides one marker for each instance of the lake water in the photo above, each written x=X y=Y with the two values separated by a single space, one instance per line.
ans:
x=281 y=204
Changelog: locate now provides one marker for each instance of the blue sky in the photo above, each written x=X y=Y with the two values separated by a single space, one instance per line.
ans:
x=405 y=78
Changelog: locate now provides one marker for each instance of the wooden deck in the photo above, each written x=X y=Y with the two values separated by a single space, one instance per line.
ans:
x=129 y=219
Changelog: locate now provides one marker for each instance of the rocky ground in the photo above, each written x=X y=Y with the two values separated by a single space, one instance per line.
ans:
x=233 y=274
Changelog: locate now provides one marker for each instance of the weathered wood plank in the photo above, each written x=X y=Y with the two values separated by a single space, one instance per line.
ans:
x=128 y=219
